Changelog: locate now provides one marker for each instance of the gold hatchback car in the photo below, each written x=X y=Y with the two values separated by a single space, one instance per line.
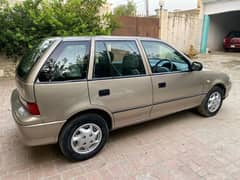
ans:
x=74 y=90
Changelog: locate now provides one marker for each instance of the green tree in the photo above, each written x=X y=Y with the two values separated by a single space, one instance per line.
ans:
x=25 y=24
x=126 y=10
x=3 y=4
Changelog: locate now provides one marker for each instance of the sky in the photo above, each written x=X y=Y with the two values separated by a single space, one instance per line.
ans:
x=154 y=4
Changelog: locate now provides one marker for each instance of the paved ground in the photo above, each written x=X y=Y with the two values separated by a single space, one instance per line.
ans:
x=181 y=146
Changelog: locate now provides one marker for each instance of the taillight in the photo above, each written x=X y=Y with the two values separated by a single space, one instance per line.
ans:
x=227 y=40
x=33 y=108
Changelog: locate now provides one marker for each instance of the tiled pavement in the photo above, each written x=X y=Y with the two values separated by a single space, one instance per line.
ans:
x=181 y=146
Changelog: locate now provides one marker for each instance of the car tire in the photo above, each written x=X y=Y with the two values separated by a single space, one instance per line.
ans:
x=83 y=137
x=212 y=103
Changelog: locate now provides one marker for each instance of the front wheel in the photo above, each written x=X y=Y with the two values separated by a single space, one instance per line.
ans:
x=212 y=102
x=83 y=137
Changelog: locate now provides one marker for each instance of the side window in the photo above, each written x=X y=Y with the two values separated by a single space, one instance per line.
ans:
x=69 y=61
x=117 y=58
x=164 y=59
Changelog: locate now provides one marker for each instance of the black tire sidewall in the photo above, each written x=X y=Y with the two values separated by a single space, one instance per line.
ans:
x=69 y=129
x=214 y=89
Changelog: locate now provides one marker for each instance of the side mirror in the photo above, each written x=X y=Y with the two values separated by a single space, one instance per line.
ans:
x=197 y=66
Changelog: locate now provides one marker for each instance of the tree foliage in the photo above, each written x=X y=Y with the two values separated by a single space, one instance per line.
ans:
x=126 y=10
x=25 y=24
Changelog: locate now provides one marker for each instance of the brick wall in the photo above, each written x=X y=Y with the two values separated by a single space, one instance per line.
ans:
x=137 y=26
x=7 y=67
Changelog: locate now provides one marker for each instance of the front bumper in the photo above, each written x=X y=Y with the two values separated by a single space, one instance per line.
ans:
x=32 y=130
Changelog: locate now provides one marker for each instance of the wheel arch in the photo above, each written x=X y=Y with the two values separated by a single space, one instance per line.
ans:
x=222 y=86
x=105 y=115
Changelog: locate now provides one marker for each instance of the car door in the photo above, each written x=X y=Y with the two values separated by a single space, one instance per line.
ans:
x=120 y=82
x=175 y=86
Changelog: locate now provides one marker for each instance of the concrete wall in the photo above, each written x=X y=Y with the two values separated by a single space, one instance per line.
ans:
x=7 y=67
x=183 y=29
x=220 y=26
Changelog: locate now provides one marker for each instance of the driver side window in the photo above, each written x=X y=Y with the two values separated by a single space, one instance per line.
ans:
x=164 y=59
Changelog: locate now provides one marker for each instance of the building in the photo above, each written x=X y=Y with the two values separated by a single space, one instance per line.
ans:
x=106 y=9
x=219 y=18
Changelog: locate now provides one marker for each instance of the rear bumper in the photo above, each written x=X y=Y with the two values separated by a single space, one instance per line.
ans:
x=231 y=46
x=32 y=130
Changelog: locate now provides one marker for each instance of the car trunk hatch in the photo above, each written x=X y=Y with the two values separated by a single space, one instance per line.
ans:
x=25 y=90
x=235 y=40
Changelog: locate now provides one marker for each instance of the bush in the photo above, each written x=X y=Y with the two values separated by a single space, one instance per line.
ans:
x=129 y=9
x=25 y=24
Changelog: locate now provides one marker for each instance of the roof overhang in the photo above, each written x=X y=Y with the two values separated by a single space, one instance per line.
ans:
x=220 y=6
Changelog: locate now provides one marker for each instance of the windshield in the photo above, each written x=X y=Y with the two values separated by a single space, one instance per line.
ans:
x=234 y=34
x=31 y=57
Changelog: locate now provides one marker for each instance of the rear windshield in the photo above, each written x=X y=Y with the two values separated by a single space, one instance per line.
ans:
x=234 y=34
x=31 y=57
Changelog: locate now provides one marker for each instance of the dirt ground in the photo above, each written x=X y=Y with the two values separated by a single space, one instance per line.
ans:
x=181 y=146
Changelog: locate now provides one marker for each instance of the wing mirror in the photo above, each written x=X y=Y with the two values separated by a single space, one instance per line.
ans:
x=197 y=66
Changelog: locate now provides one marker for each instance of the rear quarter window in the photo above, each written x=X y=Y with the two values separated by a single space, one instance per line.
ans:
x=68 y=62
x=31 y=57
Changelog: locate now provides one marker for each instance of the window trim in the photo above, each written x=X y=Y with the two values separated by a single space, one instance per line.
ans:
x=118 y=77
x=92 y=78
x=165 y=73
x=66 y=81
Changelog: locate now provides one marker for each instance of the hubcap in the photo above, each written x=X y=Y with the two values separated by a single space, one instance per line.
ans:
x=214 y=101
x=86 y=138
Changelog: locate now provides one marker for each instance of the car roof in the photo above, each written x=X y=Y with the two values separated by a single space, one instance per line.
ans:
x=77 y=38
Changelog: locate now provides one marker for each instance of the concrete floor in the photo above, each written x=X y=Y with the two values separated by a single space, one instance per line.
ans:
x=181 y=146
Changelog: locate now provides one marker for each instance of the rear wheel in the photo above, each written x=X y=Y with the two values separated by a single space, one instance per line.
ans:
x=83 y=137
x=212 y=102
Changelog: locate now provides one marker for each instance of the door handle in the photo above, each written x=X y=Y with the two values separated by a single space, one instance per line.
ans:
x=104 y=92
x=162 y=85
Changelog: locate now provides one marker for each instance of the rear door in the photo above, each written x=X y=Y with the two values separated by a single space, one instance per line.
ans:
x=120 y=81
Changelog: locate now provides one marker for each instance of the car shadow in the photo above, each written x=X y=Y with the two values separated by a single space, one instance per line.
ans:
x=41 y=154
x=158 y=123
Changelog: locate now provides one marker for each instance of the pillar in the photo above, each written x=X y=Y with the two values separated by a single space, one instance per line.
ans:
x=205 y=30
